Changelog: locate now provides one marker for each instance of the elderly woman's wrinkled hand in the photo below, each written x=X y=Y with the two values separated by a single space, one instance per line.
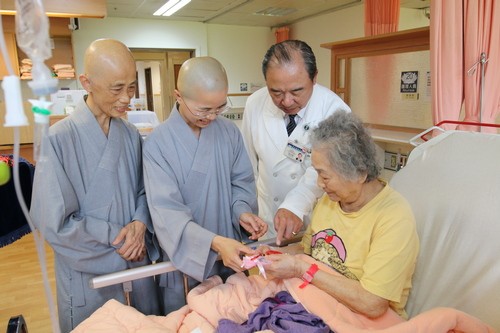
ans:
x=130 y=241
x=284 y=266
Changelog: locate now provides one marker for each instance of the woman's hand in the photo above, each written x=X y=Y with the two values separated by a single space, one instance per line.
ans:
x=231 y=251
x=130 y=241
x=285 y=266
x=254 y=225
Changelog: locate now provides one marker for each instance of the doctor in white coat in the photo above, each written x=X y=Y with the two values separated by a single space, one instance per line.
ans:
x=278 y=145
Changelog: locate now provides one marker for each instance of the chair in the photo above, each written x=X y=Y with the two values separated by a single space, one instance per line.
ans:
x=17 y=324
x=13 y=224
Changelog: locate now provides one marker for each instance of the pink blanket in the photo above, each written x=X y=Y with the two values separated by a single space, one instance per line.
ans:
x=240 y=295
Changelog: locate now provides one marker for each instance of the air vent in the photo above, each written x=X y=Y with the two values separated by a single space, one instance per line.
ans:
x=275 y=11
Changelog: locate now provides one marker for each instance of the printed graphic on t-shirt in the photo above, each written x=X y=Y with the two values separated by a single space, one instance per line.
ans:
x=328 y=248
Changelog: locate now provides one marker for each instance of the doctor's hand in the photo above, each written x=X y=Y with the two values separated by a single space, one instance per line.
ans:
x=132 y=241
x=230 y=251
x=254 y=225
x=286 y=224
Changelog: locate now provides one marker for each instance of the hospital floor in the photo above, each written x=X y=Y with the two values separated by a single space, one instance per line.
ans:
x=21 y=285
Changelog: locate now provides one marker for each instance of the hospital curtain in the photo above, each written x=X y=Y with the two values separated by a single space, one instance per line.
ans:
x=482 y=34
x=446 y=51
x=381 y=16
x=281 y=34
x=460 y=32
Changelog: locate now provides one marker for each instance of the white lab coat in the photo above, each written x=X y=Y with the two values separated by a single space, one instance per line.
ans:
x=281 y=181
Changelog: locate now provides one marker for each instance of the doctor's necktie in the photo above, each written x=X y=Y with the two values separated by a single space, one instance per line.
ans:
x=291 y=124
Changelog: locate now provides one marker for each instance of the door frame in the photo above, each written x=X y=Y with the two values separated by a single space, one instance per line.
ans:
x=167 y=59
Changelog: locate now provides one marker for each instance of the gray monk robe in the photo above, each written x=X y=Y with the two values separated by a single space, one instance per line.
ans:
x=86 y=189
x=196 y=189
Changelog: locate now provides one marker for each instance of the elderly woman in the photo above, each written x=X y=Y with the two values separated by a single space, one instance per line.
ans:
x=361 y=227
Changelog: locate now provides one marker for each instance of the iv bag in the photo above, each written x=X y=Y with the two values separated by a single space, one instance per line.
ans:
x=32 y=29
x=32 y=34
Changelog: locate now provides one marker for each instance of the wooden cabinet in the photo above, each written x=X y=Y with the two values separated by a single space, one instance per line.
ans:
x=25 y=132
x=62 y=53
x=55 y=118
x=10 y=43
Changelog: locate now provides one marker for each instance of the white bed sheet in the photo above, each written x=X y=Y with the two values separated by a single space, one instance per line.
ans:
x=453 y=185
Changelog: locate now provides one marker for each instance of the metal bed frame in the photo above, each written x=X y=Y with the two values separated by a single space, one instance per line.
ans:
x=422 y=136
x=127 y=276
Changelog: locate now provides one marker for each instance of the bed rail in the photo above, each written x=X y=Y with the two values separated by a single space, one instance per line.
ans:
x=126 y=277
x=422 y=136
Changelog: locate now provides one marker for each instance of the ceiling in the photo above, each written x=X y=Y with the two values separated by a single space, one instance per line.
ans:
x=264 y=13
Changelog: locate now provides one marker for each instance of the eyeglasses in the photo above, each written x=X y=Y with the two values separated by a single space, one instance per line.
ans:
x=208 y=113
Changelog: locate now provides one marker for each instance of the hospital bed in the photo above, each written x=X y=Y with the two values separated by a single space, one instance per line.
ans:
x=453 y=185
x=452 y=182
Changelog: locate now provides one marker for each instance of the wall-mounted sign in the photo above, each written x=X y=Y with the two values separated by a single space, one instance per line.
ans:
x=409 y=82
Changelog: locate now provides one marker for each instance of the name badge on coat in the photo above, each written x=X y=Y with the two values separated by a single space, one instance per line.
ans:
x=297 y=152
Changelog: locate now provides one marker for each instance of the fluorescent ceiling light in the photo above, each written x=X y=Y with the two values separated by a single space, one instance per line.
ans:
x=169 y=4
x=275 y=11
x=171 y=7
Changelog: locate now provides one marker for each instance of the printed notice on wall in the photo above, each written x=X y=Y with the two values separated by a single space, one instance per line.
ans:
x=409 y=82
x=428 y=85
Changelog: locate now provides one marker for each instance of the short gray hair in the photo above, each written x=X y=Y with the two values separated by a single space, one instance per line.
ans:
x=350 y=147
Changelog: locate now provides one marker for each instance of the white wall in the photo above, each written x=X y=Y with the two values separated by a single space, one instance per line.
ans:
x=341 y=25
x=138 y=33
x=412 y=18
x=240 y=49
x=331 y=27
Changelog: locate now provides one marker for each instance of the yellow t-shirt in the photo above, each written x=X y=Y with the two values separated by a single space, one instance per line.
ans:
x=377 y=245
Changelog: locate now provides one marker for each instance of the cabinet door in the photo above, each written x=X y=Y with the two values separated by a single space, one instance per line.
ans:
x=10 y=42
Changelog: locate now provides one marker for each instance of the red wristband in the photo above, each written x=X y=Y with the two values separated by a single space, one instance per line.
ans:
x=309 y=275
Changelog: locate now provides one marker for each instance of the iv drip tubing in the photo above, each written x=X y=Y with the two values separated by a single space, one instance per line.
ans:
x=38 y=236
x=39 y=239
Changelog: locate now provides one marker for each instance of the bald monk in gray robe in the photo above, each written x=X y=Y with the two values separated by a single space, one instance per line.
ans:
x=199 y=183
x=88 y=196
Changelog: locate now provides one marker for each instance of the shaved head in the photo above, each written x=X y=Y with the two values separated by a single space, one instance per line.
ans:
x=201 y=74
x=109 y=79
x=107 y=54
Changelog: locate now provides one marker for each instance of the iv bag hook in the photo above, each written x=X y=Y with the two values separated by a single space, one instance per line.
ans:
x=482 y=62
